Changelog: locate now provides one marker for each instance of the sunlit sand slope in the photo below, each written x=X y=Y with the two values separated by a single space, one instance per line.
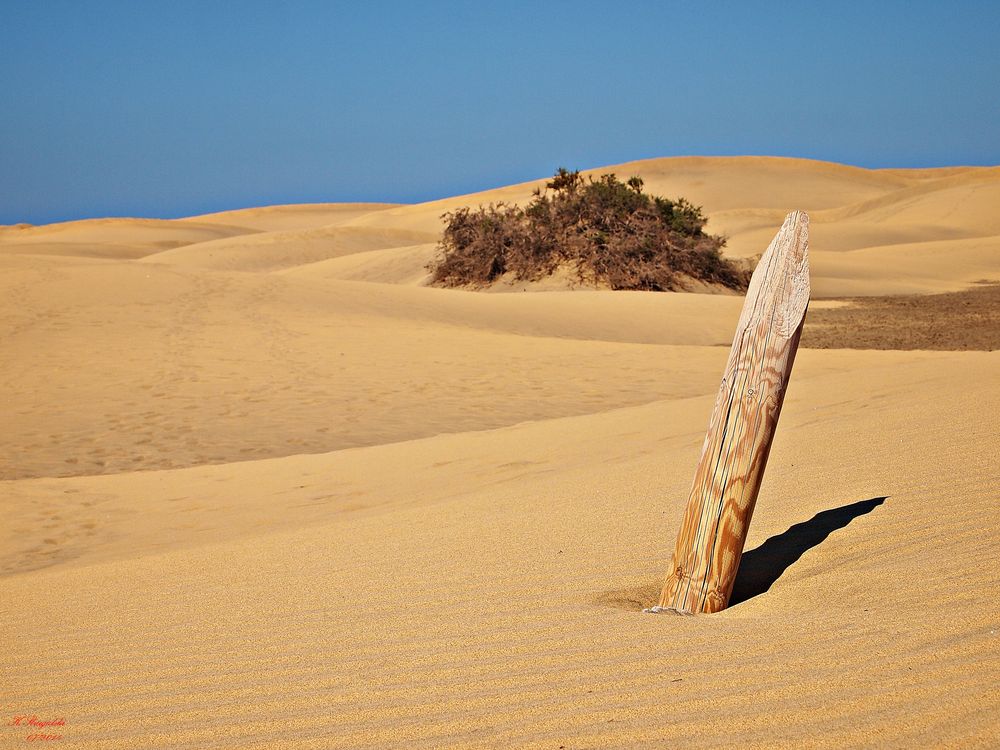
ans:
x=117 y=367
x=110 y=238
x=293 y=216
x=481 y=589
x=272 y=251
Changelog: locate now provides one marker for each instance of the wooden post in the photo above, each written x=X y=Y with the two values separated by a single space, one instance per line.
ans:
x=733 y=456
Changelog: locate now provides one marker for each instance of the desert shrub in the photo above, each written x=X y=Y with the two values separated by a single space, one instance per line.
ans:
x=609 y=231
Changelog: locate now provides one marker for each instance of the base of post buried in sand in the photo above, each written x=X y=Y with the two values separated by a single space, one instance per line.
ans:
x=658 y=610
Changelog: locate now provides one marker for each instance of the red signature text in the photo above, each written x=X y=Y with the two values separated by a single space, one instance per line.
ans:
x=44 y=729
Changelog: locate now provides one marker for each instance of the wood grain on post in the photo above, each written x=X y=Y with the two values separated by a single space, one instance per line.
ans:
x=733 y=456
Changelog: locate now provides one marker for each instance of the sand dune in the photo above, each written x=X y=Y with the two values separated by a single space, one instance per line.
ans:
x=394 y=265
x=961 y=200
x=263 y=488
x=904 y=268
x=154 y=367
x=110 y=238
x=746 y=197
x=272 y=251
x=717 y=183
x=852 y=209
x=292 y=216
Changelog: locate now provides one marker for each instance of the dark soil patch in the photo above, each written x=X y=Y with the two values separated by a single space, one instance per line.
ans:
x=954 y=321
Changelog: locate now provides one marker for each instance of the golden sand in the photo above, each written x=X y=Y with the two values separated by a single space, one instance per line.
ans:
x=262 y=488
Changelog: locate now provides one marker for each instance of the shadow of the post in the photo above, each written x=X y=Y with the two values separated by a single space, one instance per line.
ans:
x=761 y=567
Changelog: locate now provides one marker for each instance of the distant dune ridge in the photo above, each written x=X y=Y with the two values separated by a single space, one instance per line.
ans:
x=879 y=216
x=262 y=485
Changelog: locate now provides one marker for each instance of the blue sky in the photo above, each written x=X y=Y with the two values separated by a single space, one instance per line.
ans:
x=171 y=109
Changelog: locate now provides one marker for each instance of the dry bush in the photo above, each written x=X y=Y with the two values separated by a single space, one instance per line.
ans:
x=610 y=231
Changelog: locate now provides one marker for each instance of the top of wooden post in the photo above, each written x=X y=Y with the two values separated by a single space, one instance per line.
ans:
x=780 y=283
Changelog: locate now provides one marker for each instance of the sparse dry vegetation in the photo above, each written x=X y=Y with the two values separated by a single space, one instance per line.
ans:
x=608 y=232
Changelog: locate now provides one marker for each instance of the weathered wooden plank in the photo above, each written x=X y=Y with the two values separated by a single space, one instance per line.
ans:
x=733 y=456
